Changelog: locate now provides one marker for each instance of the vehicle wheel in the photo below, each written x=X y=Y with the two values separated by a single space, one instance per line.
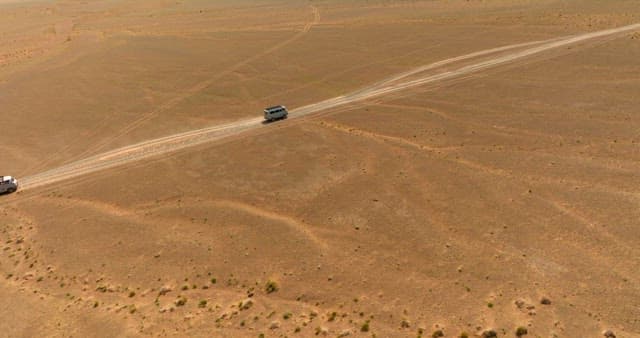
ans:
x=10 y=190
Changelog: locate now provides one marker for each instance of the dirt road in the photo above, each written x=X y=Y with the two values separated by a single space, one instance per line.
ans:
x=394 y=84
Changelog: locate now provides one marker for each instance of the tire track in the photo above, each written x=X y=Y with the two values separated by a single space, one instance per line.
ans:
x=394 y=84
x=146 y=117
x=291 y=223
x=387 y=87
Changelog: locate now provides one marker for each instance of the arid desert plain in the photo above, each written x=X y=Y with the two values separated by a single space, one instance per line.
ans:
x=449 y=168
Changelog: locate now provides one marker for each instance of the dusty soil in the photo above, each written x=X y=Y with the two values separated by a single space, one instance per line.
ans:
x=454 y=207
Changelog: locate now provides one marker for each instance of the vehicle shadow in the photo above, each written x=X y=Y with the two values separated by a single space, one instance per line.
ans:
x=275 y=120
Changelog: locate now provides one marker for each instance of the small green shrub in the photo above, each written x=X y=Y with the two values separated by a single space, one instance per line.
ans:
x=521 y=331
x=271 y=286
x=181 y=301
x=365 y=327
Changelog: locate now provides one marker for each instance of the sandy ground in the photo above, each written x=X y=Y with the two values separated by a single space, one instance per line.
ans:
x=454 y=206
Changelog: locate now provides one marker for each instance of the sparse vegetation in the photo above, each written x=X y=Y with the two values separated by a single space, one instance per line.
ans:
x=490 y=305
x=245 y=304
x=521 y=331
x=214 y=280
x=132 y=294
x=271 y=286
x=181 y=301
x=202 y=304
x=489 y=334
x=609 y=334
x=332 y=316
x=365 y=327
x=286 y=315
x=437 y=334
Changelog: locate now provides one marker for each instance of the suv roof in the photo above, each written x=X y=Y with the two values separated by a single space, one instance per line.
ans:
x=275 y=108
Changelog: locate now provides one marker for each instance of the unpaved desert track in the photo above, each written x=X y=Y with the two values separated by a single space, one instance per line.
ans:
x=198 y=87
x=394 y=84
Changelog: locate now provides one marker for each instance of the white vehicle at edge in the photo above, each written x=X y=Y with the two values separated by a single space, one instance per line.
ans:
x=275 y=113
x=8 y=184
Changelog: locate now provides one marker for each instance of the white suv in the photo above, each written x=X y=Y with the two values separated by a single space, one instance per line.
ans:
x=8 y=184
x=275 y=113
